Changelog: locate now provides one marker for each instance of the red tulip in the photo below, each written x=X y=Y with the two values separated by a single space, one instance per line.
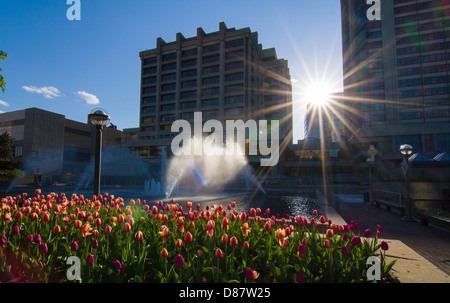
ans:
x=234 y=241
x=139 y=236
x=246 y=245
x=107 y=230
x=225 y=238
x=187 y=237
x=57 y=229
x=218 y=253
x=126 y=227
x=314 y=213
x=329 y=233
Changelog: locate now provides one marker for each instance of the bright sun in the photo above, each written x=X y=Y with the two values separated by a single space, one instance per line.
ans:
x=318 y=94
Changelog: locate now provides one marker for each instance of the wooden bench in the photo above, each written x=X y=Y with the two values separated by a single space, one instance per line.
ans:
x=425 y=218
x=389 y=205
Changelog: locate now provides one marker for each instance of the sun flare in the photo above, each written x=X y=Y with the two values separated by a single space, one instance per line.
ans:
x=318 y=94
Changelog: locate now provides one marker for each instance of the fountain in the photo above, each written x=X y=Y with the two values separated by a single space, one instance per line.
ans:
x=209 y=171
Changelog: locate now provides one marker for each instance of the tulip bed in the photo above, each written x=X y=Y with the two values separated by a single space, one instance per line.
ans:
x=157 y=242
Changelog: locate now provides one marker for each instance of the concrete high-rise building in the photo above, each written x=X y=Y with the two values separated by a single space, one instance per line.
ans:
x=397 y=75
x=226 y=75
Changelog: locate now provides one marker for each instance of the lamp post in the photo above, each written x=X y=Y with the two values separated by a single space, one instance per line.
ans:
x=406 y=150
x=99 y=118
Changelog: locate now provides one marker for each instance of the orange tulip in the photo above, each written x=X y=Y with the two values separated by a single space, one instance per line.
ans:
x=86 y=229
x=164 y=232
x=77 y=224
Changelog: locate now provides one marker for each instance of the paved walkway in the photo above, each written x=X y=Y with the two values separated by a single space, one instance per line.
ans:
x=431 y=243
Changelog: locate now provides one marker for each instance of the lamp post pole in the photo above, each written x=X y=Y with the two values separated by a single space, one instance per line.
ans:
x=407 y=150
x=99 y=118
x=98 y=159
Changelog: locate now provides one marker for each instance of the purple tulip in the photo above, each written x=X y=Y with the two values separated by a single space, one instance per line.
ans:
x=90 y=260
x=16 y=230
x=94 y=244
x=249 y=274
x=179 y=261
x=30 y=238
x=43 y=249
x=74 y=246
x=367 y=233
x=356 y=241
x=344 y=250
x=384 y=245
x=37 y=238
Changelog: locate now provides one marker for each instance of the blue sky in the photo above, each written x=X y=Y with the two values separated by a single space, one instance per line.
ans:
x=67 y=66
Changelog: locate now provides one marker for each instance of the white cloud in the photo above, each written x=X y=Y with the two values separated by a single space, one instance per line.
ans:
x=89 y=98
x=4 y=103
x=49 y=92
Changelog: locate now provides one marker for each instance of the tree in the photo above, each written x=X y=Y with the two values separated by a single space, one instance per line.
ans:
x=6 y=146
x=3 y=56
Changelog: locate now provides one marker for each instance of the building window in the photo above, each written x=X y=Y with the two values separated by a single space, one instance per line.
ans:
x=169 y=57
x=187 y=116
x=150 y=61
x=210 y=102
x=150 y=70
x=149 y=100
x=410 y=115
x=148 y=120
x=189 y=53
x=148 y=129
x=171 y=66
x=234 y=89
x=168 y=97
x=149 y=90
x=210 y=114
x=234 y=43
x=189 y=63
x=209 y=81
x=188 y=105
x=234 y=100
x=189 y=73
x=211 y=70
x=190 y=94
x=169 y=77
x=234 y=111
x=188 y=84
x=149 y=80
x=239 y=54
x=168 y=118
x=165 y=127
x=235 y=65
x=149 y=110
x=234 y=77
x=167 y=107
x=210 y=59
x=18 y=151
x=211 y=91
x=170 y=86
x=211 y=48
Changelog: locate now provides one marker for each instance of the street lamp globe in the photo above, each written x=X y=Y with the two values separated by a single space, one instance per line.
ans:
x=406 y=149
x=99 y=117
